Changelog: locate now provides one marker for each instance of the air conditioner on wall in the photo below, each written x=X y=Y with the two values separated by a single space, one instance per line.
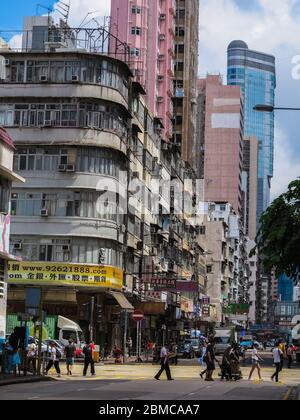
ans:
x=62 y=168
x=17 y=246
x=71 y=168
x=44 y=213
x=75 y=79
x=7 y=62
x=122 y=229
x=43 y=79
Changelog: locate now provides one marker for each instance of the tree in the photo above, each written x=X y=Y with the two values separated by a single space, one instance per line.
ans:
x=278 y=239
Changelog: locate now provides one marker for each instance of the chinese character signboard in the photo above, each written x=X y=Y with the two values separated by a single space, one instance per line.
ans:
x=60 y=274
x=163 y=284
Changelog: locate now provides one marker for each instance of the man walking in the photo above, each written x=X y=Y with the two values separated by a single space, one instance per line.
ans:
x=88 y=352
x=210 y=360
x=164 y=362
x=70 y=351
x=277 y=356
x=54 y=359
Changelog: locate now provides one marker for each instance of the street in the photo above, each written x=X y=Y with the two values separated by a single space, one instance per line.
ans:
x=135 y=382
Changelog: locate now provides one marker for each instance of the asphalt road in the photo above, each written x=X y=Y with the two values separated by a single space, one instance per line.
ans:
x=150 y=390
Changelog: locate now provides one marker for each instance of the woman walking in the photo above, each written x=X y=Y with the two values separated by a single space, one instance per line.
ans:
x=255 y=362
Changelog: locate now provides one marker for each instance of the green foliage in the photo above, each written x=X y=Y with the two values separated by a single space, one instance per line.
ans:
x=278 y=240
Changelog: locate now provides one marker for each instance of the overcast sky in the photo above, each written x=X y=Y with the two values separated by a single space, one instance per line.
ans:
x=271 y=26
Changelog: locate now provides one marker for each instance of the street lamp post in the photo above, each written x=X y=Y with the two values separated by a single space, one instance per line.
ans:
x=270 y=108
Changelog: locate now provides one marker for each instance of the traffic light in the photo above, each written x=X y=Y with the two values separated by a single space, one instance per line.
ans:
x=87 y=311
x=99 y=313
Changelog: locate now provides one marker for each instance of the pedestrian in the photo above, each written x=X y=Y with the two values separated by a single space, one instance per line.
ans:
x=255 y=362
x=70 y=352
x=88 y=352
x=164 y=362
x=277 y=356
x=54 y=359
x=174 y=354
x=210 y=361
x=129 y=346
x=149 y=349
x=31 y=355
x=290 y=356
x=226 y=365
x=283 y=355
x=117 y=353
x=16 y=363
x=202 y=359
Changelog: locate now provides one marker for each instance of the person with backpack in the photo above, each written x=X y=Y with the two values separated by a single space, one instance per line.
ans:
x=88 y=352
x=55 y=356
x=70 y=351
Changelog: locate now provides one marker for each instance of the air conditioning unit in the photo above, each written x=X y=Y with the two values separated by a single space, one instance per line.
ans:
x=135 y=174
x=165 y=146
x=75 y=79
x=62 y=168
x=154 y=252
x=44 y=213
x=162 y=37
x=43 y=79
x=7 y=62
x=162 y=16
x=122 y=229
x=66 y=248
x=161 y=78
x=71 y=168
x=17 y=246
x=48 y=123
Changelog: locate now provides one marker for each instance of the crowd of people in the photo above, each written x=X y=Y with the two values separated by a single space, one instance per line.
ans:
x=231 y=359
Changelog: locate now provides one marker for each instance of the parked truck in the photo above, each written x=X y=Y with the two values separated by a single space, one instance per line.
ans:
x=224 y=337
x=54 y=327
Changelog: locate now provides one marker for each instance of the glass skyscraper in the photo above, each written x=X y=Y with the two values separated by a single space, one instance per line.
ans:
x=255 y=73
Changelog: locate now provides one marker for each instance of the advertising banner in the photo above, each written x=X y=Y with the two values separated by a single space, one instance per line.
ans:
x=60 y=274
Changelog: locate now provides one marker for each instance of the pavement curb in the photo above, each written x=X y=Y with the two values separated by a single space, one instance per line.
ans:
x=24 y=380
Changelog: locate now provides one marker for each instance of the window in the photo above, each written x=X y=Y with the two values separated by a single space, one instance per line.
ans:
x=4 y=195
x=209 y=269
x=136 y=10
x=67 y=204
x=97 y=116
x=135 y=30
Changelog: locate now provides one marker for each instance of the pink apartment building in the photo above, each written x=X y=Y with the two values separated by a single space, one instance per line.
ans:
x=148 y=27
x=222 y=141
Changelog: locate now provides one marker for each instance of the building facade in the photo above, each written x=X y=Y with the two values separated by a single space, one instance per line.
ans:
x=92 y=221
x=7 y=176
x=250 y=169
x=222 y=143
x=255 y=73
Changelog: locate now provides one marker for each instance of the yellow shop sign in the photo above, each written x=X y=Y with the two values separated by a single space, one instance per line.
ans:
x=60 y=274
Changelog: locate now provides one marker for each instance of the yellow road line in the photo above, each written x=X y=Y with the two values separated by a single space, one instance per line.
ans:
x=288 y=394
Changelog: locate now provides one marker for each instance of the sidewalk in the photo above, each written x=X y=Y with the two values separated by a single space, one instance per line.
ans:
x=12 y=379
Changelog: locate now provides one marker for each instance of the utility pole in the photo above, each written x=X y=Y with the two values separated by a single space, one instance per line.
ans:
x=40 y=334
x=92 y=319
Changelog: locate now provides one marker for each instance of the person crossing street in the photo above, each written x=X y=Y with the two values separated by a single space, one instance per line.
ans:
x=277 y=355
x=88 y=352
x=164 y=362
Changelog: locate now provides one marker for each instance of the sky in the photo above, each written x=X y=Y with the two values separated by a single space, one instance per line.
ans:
x=271 y=26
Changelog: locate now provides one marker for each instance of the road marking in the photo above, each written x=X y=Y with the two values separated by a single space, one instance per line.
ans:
x=288 y=394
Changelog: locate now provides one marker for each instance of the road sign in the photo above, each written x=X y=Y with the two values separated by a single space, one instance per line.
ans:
x=138 y=316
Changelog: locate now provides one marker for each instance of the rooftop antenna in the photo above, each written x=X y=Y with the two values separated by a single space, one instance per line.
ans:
x=90 y=13
x=64 y=9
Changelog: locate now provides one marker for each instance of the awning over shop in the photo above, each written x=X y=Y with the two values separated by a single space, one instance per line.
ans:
x=122 y=301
